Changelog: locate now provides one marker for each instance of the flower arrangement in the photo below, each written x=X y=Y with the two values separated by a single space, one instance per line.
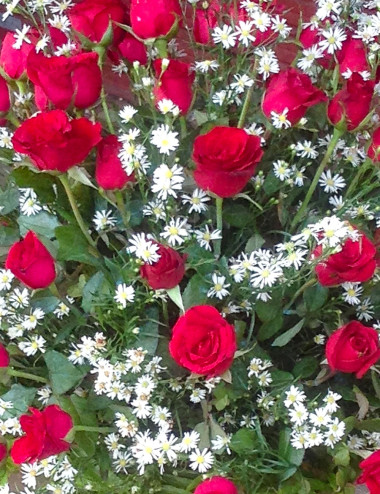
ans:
x=190 y=232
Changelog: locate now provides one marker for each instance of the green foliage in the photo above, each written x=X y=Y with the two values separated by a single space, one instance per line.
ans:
x=63 y=375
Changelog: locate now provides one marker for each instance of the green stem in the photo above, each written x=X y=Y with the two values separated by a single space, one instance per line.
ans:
x=306 y=285
x=244 y=110
x=88 y=428
x=362 y=169
x=165 y=312
x=314 y=183
x=182 y=122
x=12 y=119
x=74 y=207
x=121 y=207
x=26 y=375
x=106 y=111
x=162 y=47
x=219 y=224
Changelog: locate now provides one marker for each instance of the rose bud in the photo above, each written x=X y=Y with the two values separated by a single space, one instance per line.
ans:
x=4 y=356
x=353 y=56
x=167 y=272
x=92 y=18
x=4 y=96
x=205 y=20
x=3 y=451
x=13 y=61
x=109 y=172
x=225 y=160
x=44 y=435
x=353 y=348
x=54 y=142
x=154 y=18
x=355 y=263
x=73 y=80
x=203 y=342
x=374 y=148
x=133 y=50
x=31 y=262
x=216 y=485
x=371 y=472
x=174 y=83
x=351 y=104
x=293 y=91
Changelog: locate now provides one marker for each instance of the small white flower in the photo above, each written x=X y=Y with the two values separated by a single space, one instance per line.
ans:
x=32 y=345
x=103 y=220
x=166 y=106
x=294 y=396
x=244 y=31
x=206 y=65
x=331 y=401
x=197 y=201
x=334 y=38
x=331 y=183
x=127 y=113
x=124 y=294
x=352 y=293
x=166 y=181
x=319 y=339
x=143 y=248
x=281 y=170
x=280 y=120
x=219 y=289
x=189 y=441
x=21 y=36
x=201 y=460
x=164 y=139
x=6 y=278
x=176 y=231
x=226 y=36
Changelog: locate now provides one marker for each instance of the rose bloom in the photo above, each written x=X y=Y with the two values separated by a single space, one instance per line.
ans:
x=44 y=435
x=93 y=17
x=167 y=272
x=374 y=148
x=216 y=485
x=354 y=263
x=351 y=104
x=291 y=89
x=54 y=142
x=3 y=451
x=371 y=472
x=203 y=342
x=154 y=18
x=4 y=356
x=13 y=61
x=225 y=159
x=64 y=81
x=109 y=172
x=353 y=348
x=205 y=20
x=352 y=56
x=31 y=262
x=132 y=49
x=174 y=83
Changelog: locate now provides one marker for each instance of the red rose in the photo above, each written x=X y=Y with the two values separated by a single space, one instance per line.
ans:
x=374 y=149
x=216 y=485
x=154 y=18
x=292 y=90
x=205 y=20
x=353 y=56
x=109 y=172
x=203 y=342
x=167 y=272
x=4 y=356
x=225 y=159
x=45 y=433
x=133 y=50
x=353 y=348
x=31 y=262
x=352 y=103
x=13 y=61
x=174 y=83
x=73 y=80
x=371 y=472
x=4 y=96
x=3 y=451
x=354 y=263
x=54 y=142
x=93 y=17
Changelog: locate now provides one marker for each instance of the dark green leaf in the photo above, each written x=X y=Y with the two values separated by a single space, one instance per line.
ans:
x=62 y=373
x=148 y=335
x=236 y=215
x=73 y=246
x=315 y=297
x=42 y=223
x=305 y=367
x=284 y=339
x=243 y=441
x=9 y=199
x=20 y=397
x=195 y=292
x=41 y=183
x=270 y=328
x=91 y=290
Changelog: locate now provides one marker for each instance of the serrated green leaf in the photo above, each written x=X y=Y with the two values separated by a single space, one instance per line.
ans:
x=73 y=246
x=63 y=374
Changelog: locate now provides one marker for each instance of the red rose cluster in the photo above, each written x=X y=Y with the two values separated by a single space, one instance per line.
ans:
x=167 y=272
x=371 y=473
x=216 y=485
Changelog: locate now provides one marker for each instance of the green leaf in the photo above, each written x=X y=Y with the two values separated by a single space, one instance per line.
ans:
x=47 y=304
x=243 y=441
x=8 y=235
x=267 y=311
x=195 y=292
x=204 y=432
x=305 y=367
x=254 y=243
x=135 y=207
x=80 y=174
x=90 y=290
x=236 y=215
x=42 y=223
x=148 y=335
x=63 y=374
x=175 y=295
x=73 y=246
x=342 y=455
x=370 y=425
x=315 y=297
x=270 y=328
x=284 y=339
x=9 y=200
x=20 y=397
x=41 y=183
x=287 y=452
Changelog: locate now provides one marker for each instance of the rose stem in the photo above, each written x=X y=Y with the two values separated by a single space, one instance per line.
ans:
x=100 y=50
x=306 y=285
x=244 y=110
x=121 y=207
x=26 y=375
x=74 y=207
x=88 y=428
x=219 y=224
x=314 y=183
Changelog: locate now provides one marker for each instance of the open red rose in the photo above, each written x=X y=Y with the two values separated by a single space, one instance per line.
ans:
x=73 y=80
x=354 y=263
x=13 y=61
x=109 y=172
x=4 y=96
x=205 y=20
x=31 y=262
x=203 y=342
x=216 y=485
x=4 y=356
x=353 y=56
x=225 y=160
x=154 y=18
x=174 y=83
x=374 y=148
x=353 y=348
x=351 y=104
x=371 y=473
x=292 y=90
x=44 y=435
x=93 y=17
x=54 y=142
x=167 y=272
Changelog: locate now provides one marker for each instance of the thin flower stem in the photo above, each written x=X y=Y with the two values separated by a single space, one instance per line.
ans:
x=106 y=111
x=74 y=207
x=26 y=375
x=219 y=224
x=306 y=285
x=244 y=110
x=362 y=169
x=121 y=207
x=88 y=428
x=314 y=183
